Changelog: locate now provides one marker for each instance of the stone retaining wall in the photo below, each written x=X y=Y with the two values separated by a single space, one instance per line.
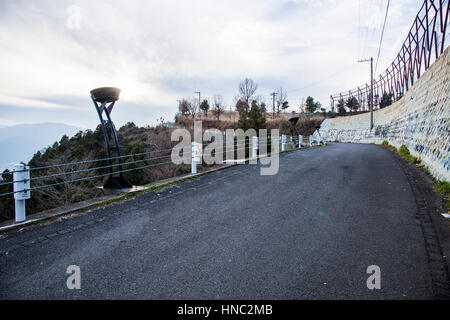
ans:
x=419 y=120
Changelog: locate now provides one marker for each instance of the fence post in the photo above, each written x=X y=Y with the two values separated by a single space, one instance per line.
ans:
x=21 y=178
x=283 y=143
x=255 y=147
x=300 y=141
x=194 y=157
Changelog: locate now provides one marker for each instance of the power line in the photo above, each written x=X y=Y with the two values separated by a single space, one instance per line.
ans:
x=382 y=33
x=359 y=26
x=365 y=45
x=326 y=78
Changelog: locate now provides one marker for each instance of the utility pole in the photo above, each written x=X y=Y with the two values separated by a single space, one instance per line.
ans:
x=199 y=102
x=179 y=105
x=273 y=94
x=371 y=89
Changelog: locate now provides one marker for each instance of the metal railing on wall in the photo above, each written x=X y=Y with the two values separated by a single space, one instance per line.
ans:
x=425 y=42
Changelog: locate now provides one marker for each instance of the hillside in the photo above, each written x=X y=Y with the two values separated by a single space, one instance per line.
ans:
x=89 y=145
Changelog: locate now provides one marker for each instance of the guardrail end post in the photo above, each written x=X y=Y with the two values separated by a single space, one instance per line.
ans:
x=21 y=178
x=194 y=151
x=255 y=147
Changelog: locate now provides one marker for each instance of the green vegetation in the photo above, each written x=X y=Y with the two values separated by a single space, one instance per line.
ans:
x=352 y=103
x=387 y=145
x=386 y=100
x=404 y=152
x=341 y=107
x=204 y=106
x=443 y=187
x=312 y=106
x=254 y=120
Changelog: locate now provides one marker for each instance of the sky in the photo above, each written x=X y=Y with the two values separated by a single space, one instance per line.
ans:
x=52 y=53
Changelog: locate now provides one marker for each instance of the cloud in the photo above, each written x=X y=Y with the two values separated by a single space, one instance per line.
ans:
x=33 y=103
x=160 y=51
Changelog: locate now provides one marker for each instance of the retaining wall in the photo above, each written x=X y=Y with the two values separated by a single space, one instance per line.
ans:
x=419 y=120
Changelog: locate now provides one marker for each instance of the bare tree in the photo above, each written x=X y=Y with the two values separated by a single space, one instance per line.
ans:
x=260 y=99
x=281 y=99
x=301 y=108
x=247 y=89
x=65 y=193
x=192 y=106
x=218 y=106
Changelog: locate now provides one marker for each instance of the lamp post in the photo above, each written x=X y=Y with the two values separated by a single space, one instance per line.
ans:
x=104 y=100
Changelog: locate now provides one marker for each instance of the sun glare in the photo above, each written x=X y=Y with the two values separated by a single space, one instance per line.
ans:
x=129 y=88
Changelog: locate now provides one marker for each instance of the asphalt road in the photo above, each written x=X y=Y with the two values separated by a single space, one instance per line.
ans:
x=309 y=232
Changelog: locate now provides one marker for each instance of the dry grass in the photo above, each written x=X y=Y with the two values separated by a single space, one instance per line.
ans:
x=306 y=125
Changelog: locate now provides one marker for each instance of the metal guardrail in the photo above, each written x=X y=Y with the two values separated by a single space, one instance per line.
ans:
x=21 y=183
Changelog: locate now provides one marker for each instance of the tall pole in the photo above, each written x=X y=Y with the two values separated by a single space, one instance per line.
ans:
x=273 y=102
x=371 y=93
x=371 y=89
x=199 y=102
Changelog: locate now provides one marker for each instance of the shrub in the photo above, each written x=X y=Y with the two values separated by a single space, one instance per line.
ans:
x=403 y=151
x=443 y=187
x=387 y=145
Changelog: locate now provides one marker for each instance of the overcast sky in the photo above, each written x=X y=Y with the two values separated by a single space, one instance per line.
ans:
x=161 y=51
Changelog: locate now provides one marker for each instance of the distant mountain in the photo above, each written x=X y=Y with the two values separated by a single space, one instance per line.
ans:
x=20 y=142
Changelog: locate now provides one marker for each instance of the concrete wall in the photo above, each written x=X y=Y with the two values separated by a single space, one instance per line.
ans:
x=420 y=120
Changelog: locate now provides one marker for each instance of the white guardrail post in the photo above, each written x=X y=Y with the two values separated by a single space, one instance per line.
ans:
x=255 y=147
x=300 y=141
x=21 y=174
x=283 y=143
x=196 y=156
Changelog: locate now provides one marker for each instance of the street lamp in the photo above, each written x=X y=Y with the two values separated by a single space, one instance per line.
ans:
x=104 y=99
x=198 y=98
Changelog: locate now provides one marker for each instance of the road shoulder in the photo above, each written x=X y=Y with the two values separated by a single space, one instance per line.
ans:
x=435 y=228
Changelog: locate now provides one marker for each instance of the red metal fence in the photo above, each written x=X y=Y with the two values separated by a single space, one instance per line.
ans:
x=425 y=42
